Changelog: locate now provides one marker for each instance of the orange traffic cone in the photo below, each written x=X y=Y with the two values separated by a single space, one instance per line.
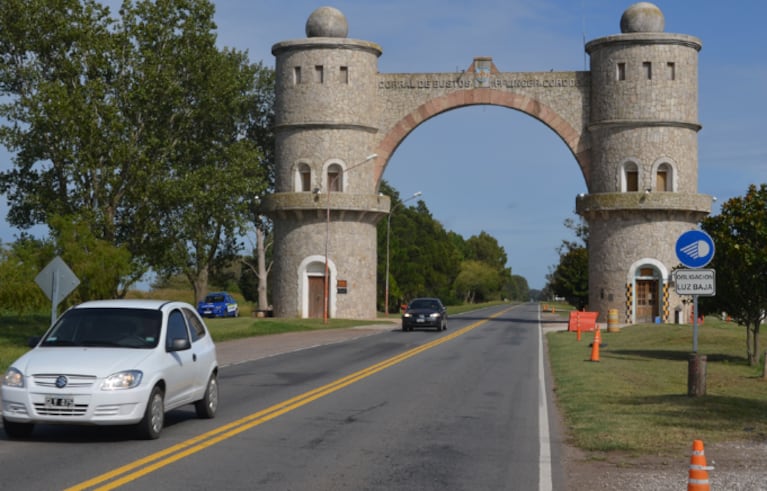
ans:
x=698 y=479
x=595 y=345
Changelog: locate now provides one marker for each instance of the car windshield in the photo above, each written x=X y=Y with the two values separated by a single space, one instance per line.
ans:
x=106 y=327
x=214 y=298
x=424 y=304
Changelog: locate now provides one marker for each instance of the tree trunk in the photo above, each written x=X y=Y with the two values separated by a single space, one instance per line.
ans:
x=696 y=375
x=764 y=366
x=200 y=285
x=262 y=272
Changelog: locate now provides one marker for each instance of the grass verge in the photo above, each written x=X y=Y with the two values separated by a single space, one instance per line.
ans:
x=635 y=398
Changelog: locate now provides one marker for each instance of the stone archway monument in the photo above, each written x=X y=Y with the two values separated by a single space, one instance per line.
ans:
x=630 y=122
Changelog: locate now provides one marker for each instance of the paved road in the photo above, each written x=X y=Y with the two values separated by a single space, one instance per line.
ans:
x=366 y=408
x=256 y=348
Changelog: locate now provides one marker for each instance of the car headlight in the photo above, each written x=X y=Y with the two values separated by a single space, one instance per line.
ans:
x=122 y=380
x=434 y=315
x=407 y=314
x=13 y=378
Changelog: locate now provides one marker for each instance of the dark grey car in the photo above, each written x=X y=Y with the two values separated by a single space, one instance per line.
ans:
x=425 y=312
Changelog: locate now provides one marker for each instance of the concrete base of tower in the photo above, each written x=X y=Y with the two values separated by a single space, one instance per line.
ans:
x=325 y=254
x=632 y=238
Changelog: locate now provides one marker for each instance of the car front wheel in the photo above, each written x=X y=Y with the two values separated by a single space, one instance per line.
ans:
x=206 y=407
x=151 y=425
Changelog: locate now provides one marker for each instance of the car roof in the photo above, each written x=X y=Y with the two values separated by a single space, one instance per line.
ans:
x=126 y=303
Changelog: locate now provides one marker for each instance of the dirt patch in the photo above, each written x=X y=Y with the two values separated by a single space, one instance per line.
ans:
x=736 y=466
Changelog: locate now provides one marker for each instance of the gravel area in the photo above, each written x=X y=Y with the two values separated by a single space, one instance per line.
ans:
x=737 y=467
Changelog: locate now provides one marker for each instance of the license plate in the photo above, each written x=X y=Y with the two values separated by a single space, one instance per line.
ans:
x=59 y=401
x=420 y=319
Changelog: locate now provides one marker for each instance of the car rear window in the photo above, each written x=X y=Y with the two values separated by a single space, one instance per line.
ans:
x=197 y=328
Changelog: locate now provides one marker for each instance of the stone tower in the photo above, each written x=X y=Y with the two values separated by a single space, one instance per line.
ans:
x=644 y=167
x=630 y=122
x=326 y=206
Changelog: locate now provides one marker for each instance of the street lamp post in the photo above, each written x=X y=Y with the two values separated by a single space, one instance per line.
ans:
x=326 y=296
x=388 y=232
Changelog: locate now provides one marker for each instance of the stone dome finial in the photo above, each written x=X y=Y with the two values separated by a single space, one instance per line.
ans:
x=327 y=22
x=642 y=17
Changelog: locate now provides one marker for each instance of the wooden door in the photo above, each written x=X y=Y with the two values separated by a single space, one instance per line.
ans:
x=316 y=296
x=661 y=181
x=647 y=300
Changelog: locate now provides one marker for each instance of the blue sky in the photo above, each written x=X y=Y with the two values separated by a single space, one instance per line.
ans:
x=496 y=170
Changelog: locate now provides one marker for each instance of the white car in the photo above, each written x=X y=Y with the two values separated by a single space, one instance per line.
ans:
x=114 y=362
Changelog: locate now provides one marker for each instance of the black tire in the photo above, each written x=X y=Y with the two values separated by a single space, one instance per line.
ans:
x=150 y=427
x=206 y=407
x=444 y=325
x=404 y=328
x=17 y=430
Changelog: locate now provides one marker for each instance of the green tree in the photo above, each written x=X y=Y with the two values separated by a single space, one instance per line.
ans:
x=211 y=168
x=423 y=258
x=477 y=281
x=740 y=235
x=59 y=84
x=139 y=127
x=570 y=278
x=262 y=134
x=427 y=260
x=486 y=249
x=397 y=238
x=20 y=263
x=431 y=262
x=517 y=289
x=99 y=265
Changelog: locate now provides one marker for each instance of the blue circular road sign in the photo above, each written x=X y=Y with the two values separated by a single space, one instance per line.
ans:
x=695 y=248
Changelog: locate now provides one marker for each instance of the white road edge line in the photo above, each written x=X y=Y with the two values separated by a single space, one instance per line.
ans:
x=544 y=476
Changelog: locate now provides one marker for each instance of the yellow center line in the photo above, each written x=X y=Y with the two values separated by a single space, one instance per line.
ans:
x=157 y=460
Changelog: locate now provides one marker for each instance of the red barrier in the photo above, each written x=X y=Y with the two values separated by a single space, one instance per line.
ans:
x=585 y=321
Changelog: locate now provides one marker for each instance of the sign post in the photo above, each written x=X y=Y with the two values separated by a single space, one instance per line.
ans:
x=695 y=249
x=57 y=281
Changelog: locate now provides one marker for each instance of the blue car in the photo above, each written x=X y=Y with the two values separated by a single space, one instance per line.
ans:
x=218 y=304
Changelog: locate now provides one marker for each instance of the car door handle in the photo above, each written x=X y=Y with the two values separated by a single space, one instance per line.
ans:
x=194 y=356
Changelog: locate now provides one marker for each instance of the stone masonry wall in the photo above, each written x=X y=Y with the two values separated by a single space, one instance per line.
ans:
x=637 y=105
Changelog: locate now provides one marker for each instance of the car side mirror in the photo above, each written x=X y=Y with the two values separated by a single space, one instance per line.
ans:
x=32 y=341
x=179 y=344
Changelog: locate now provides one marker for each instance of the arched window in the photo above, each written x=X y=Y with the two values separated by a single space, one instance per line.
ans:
x=335 y=178
x=664 y=177
x=303 y=178
x=630 y=177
